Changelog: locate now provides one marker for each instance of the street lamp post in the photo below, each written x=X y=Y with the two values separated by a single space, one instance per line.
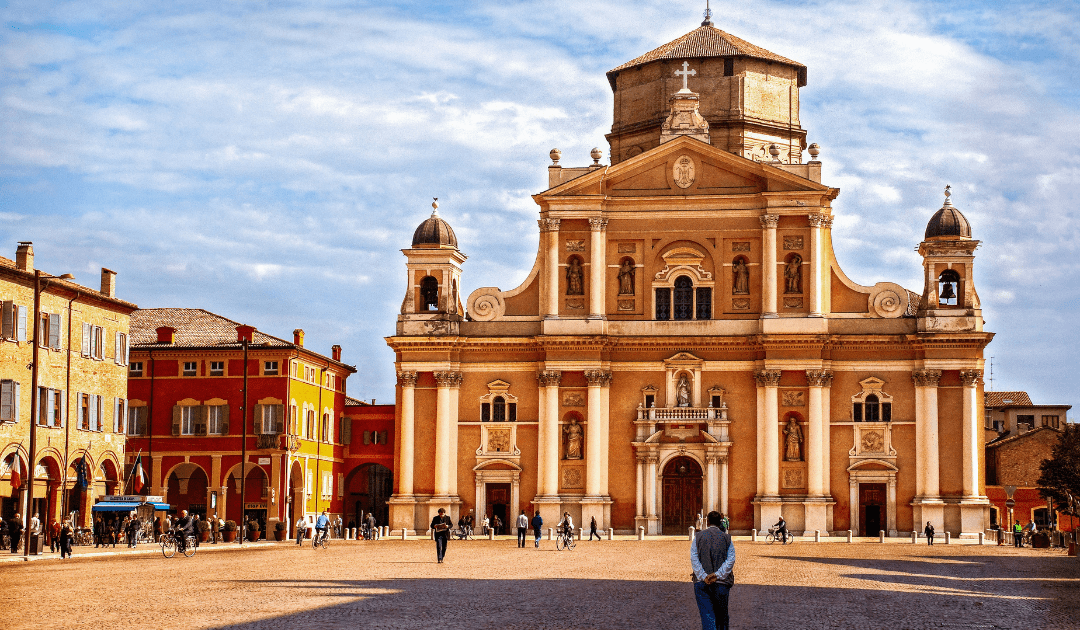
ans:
x=243 y=451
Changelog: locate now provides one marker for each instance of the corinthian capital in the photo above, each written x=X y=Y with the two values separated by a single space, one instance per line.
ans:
x=448 y=379
x=819 y=378
x=597 y=225
x=548 y=225
x=769 y=221
x=407 y=379
x=970 y=378
x=767 y=378
x=598 y=378
x=820 y=220
x=926 y=378
x=549 y=378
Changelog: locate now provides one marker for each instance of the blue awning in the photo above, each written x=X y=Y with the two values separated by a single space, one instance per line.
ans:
x=123 y=506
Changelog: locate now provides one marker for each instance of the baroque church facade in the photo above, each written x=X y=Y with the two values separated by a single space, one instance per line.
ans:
x=686 y=340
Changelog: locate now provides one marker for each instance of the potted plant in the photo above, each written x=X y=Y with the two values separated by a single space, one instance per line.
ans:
x=279 y=531
x=204 y=530
x=228 y=531
x=253 y=531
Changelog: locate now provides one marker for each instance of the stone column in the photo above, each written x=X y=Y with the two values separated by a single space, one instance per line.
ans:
x=549 y=229
x=455 y=392
x=818 y=224
x=605 y=434
x=768 y=382
x=549 y=440
x=594 y=436
x=768 y=265
x=712 y=482
x=639 y=507
x=407 y=444
x=816 y=466
x=972 y=422
x=927 y=504
x=724 y=484
x=444 y=455
x=651 y=461
x=597 y=268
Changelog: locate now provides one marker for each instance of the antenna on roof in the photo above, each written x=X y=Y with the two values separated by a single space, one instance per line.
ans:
x=708 y=15
x=991 y=373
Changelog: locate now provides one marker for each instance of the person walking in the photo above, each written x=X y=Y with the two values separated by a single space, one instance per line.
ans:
x=537 y=525
x=301 y=530
x=712 y=558
x=725 y=524
x=929 y=532
x=522 y=528
x=440 y=527
x=215 y=529
x=15 y=530
x=1018 y=535
x=54 y=536
x=592 y=530
x=132 y=528
x=497 y=525
x=99 y=532
x=66 y=538
x=485 y=525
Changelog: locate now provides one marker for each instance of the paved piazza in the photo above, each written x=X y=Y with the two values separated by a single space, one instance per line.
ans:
x=483 y=584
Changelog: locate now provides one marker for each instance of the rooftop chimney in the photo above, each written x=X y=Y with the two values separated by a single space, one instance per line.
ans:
x=166 y=334
x=24 y=256
x=108 y=282
x=298 y=337
x=243 y=331
x=335 y=352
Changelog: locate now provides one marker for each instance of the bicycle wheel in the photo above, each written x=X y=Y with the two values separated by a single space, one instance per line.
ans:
x=770 y=538
x=168 y=547
x=325 y=542
x=559 y=543
x=571 y=543
x=189 y=548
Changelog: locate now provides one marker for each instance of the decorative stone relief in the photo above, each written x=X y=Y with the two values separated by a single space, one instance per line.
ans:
x=575 y=246
x=573 y=399
x=683 y=172
x=407 y=379
x=575 y=303
x=597 y=225
x=793 y=399
x=575 y=277
x=572 y=478
x=873 y=442
x=740 y=304
x=793 y=275
x=740 y=247
x=793 y=243
x=793 y=478
x=627 y=248
x=626 y=304
x=819 y=378
x=926 y=378
x=888 y=300
x=793 y=302
x=486 y=304
x=598 y=377
x=498 y=440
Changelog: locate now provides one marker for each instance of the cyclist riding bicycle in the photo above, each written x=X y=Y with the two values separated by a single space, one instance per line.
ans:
x=781 y=530
x=566 y=525
x=321 y=525
x=184 y=527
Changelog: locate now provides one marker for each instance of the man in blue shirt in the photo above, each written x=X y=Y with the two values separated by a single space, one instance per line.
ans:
x=322 y=524
x=537 y=524
x=712 y=558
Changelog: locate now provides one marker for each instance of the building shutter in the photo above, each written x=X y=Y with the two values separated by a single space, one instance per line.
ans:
x=346 y=430
x=100 y=413
x=92 y=408
x=54 y=330
x=279 y=418
x=16 y=396
x=384 y=437
x=61 y=407
x=50 y=407
x=99 y=342
x=224 y=419
x=20 y=333
x=118 y=420
x=8 y=326
x=7 y=400
x=86 y=339
x=367 y=438
x=116 y=348
x=258 y=419
x=176 y=411
x=127 y=350
x=201 y=414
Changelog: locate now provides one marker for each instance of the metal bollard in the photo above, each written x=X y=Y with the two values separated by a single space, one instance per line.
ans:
x=753 y=535
x=691 y=534
x=881 y=536
x=817 y=535
x=641 y=533
x=611 y=534
x=982 y=538
x=849 y=535
x=947 y=537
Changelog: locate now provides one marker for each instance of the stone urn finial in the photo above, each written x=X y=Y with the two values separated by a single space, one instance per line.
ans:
x=774 y=151
x=555 y=156
x=814 y=149
x=596 y=154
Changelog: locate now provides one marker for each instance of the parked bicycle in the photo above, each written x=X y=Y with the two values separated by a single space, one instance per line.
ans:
x=774 y=535
x=170 y=542
x=371 y=533
x=462 y=533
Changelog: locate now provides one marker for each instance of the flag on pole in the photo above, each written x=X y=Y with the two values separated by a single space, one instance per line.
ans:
x=16 y=472
x=138 y=477
x=80 y=472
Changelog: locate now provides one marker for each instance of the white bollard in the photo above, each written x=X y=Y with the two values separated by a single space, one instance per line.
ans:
x=641 y=533
x=611 y=534
x=386 y=531
x=817 y=535
x=982 y=538
x=404 y=533
x=581 y=533
x=849 y=535
x=691 y=534
x=491 y=533
x=551 y=533
x=914 y=537
x=753 y=535
x=947 y=537
x=881 y=536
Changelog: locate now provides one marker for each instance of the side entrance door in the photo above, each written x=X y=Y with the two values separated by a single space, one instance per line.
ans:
x=682 y=495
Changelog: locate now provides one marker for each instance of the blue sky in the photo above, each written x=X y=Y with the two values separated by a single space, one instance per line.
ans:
x=268 y=160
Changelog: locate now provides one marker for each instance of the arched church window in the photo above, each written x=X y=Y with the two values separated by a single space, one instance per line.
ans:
x=682 y=303
x=429 y=294
x=872 y=409
x=498 y=405
x=948 y=284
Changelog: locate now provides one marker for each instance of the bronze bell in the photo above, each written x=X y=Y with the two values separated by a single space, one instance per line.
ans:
x=947 y=291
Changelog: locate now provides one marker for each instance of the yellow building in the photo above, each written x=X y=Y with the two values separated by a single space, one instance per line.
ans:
x=82 y=389
x=686 y=339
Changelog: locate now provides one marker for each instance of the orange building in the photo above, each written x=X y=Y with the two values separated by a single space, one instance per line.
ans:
x=686 y=339
x=368 y=461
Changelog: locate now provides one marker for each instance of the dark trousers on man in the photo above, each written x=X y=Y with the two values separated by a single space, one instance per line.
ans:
x=440 y=544
x=521 y=536
x=712 y=603
x=592 y=532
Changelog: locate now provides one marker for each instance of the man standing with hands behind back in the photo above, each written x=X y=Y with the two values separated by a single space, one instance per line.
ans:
x=712 y=557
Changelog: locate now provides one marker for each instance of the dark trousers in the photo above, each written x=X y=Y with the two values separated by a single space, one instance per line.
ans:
x=440 y=545
x=592 y=532
x=521 y=536
x=712 y=602
x=930 y=539
x=15 y=540
x=65 y=548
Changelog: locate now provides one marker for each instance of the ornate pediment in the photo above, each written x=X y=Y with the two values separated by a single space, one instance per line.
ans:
x=682 y=360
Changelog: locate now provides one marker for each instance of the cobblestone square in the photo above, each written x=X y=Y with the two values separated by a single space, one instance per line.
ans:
x=483 y=584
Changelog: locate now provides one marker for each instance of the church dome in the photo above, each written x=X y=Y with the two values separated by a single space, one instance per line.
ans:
x=434 y=231
x=947 y=222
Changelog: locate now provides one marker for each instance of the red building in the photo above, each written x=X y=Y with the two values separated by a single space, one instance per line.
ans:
x=368 y=461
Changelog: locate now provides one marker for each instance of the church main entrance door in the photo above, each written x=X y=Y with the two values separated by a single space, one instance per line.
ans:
x=498 y=500
x=872 y=508
x=682 y=495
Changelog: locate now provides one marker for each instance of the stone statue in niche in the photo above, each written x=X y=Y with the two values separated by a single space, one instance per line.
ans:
x=575 y=438
x=792 y=441
x=740 y=283
x=575 y=278
x=793 y=275
x=682 y=391
x=626 y=278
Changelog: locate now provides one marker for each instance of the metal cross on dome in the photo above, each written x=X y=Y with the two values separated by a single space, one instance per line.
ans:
x=686 y=74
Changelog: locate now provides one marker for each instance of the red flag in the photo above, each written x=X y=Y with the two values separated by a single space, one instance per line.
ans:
x=138 y=481
x=16 y=472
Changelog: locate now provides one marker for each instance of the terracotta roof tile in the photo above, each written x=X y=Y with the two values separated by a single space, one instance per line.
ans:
x=195 y=328
x=1001 y=399
x=706 y=41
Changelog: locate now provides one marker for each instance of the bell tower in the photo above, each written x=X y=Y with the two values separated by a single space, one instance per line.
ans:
x=949 y=300
x=432 y=305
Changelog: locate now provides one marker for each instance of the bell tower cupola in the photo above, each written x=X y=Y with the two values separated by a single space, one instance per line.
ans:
x=432 y=305
x=949 y=301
